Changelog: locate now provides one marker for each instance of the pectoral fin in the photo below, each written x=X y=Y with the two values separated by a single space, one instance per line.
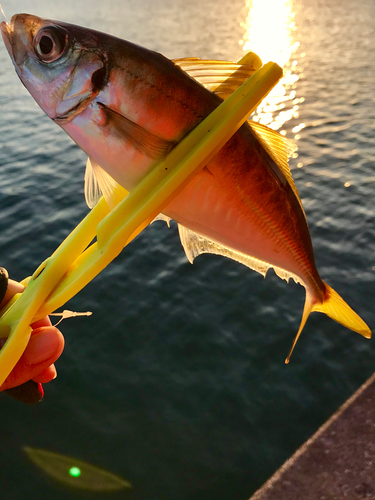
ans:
x=144 y=141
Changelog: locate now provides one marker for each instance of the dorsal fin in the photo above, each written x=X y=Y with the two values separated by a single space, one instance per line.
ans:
x=221 y=77
x=98 y=183
x=195 y=244
x=280 y=150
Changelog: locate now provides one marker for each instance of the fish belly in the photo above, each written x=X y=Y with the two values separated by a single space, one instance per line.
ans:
x=240 y=202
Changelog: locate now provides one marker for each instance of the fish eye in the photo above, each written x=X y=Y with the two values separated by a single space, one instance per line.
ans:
x=50 y=43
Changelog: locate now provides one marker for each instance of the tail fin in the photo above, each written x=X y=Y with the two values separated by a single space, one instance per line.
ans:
x=336 y=308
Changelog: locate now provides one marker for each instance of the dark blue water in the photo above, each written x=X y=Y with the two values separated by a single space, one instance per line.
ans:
x=177 y=382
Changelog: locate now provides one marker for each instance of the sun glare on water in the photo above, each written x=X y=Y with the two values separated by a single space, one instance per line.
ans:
x=270 y=32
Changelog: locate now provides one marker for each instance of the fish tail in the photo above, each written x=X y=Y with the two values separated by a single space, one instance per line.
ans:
x=336 y=308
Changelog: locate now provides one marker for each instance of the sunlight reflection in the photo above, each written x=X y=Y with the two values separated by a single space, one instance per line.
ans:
x=270 y=32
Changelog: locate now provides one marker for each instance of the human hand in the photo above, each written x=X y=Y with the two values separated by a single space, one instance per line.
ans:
x=45 y=345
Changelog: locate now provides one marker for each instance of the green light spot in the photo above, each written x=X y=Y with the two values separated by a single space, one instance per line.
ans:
x=75 y=471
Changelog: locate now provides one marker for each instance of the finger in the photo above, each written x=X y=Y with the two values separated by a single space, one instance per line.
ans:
x=4 y=276
x=46 y=375
x=45 y=346
x=13 y=288
x=30 y=392
x=41 y=322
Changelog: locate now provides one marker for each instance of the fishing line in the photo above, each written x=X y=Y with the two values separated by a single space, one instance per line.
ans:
x=3 y=13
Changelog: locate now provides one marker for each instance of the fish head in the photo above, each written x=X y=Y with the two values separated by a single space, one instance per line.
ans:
x=60 y=65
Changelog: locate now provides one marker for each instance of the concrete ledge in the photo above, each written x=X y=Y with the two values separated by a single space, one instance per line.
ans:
x=337 y=462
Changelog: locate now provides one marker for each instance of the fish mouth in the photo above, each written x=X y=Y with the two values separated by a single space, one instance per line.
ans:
x=18 y=34
x=6 y=33
x=15 y=51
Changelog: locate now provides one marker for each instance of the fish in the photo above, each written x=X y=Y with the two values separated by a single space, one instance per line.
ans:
x=127 y=107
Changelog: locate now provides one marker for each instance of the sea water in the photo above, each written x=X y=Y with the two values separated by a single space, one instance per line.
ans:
x=177 y=383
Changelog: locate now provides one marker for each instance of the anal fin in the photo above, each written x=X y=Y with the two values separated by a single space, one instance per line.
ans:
x=195 y=244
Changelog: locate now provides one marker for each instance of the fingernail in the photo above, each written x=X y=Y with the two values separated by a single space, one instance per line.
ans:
x=41 y=347
x=55 y=373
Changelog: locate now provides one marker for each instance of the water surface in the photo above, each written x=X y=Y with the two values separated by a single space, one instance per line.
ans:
x=177 y=382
